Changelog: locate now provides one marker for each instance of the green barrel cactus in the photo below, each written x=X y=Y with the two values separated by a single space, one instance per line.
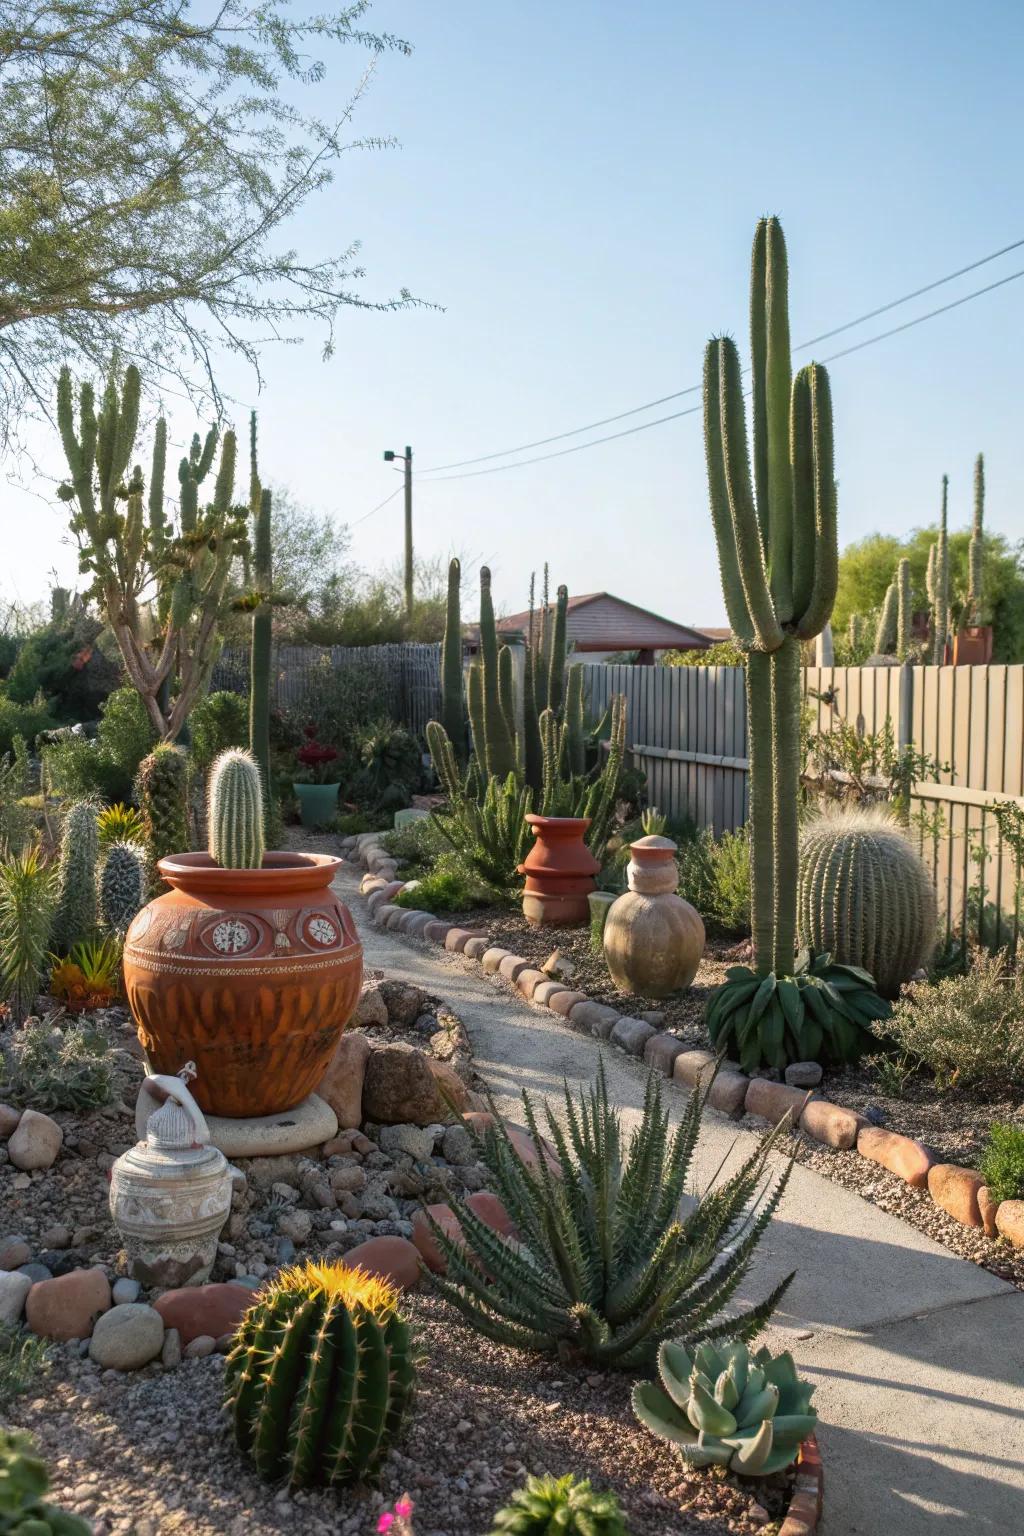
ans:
x=562 y=1504
x=235 y=811
x=23 y=1482
x=725 y=1407
x=320 y=1376
x=124 y=884
x=865 y=896
x=163 y=794
x=75 y=917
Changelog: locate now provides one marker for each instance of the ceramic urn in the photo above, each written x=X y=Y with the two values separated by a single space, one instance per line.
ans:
x=653 y=939
x=170 y=1194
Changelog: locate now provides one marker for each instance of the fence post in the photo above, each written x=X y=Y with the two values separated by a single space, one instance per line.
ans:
x=905 y=729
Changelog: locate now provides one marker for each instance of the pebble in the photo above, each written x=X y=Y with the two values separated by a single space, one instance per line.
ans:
x=35 y=1272
x=170 y=1354
x=124 y=1291
x=14 y=1289
x=56 y=1237
x=14 y=1252
x=200 y=1347
x=803 y=1074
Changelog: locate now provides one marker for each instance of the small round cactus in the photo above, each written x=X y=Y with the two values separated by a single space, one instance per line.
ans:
x=236 y=810
x=124 y=882
x=559 y=1504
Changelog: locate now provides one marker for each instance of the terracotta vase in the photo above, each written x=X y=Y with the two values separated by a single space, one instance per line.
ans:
x=653 y=939
x=559 y=871
x=250 y=973
x=972 y=646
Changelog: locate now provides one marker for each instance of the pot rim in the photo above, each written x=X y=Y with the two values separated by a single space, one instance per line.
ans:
x=281 y=873
x=567 y=822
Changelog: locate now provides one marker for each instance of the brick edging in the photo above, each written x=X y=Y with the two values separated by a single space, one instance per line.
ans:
x=960 y=1192
x=809 y=1494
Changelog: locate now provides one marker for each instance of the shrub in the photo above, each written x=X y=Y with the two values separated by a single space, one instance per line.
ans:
x=28 y=893
x=15 y=817
x=561 y=1504
x=77 y=767
x=417 y=846
x=26 y=720
x=219 y=721
x=23 y=1482
x=448 y=887
x=714 y=877
x=90 y=977
x=607 y=1266
x=391 y=763
x=968 y=1030
x=47 y=1067
x=1002 y=1161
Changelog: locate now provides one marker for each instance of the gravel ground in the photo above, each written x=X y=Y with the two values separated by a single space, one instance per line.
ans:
x=150 y=1454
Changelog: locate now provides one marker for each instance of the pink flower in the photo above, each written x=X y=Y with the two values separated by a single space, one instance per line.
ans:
x=404 y=1508
x=386 y=1521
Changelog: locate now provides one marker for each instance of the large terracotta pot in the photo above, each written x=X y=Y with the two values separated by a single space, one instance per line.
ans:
x=250 y=973
x=653 y=939
x=559 y=871
x=972 y=646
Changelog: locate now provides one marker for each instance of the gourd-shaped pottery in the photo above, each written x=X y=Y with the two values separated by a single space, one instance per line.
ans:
x=170 y=1194
x=653 y=939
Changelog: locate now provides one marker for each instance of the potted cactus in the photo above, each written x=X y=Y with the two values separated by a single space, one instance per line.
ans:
x=249 y=965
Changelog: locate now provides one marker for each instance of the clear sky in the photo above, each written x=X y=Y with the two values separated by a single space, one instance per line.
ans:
x=577 y=186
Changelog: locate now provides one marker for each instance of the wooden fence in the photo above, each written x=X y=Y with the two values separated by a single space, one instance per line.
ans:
x=687 y=730
x=404 y=681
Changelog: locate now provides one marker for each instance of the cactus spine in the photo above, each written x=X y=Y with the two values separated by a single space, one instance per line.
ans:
x=975 y=589
x=499 y=755
x=75 y=917
x=123 y=886
x=904 y=611
x=885 y=634
x=262 y=628
x=321 y=1375
x=235 y=811
x=163 y=787
x=778 y=554
x=940 y=580
x=865 y=895
x=453 y=712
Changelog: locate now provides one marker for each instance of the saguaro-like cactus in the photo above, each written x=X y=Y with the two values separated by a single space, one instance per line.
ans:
x=940 y=600
x=453 y=709
x=320 y=1376
x=236 y=811
x=904 y=611
x=885 y=634
x=976 y=553
x=499 y=743
x=75 y=917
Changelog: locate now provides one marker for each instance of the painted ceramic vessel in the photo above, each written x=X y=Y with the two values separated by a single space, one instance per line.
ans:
x=559 y=871
x=653 y=939
x=250 y=973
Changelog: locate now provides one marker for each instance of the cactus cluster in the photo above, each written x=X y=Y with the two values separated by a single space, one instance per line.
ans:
x=722 y=1406
x=75 y=917
x=320 y=1376
x=563 y=1504
x=865 y=895
x=123 y=887
x=235 y=811
x=24 y=1482
x=163 y=795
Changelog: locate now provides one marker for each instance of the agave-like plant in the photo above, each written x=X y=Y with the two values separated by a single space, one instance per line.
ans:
x=605 y=1265
x=725 y=1407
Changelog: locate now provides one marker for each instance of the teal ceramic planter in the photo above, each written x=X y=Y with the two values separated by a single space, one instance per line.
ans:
x=318 y=803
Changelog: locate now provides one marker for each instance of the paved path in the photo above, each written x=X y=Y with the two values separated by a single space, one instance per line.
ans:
x=917 y=1355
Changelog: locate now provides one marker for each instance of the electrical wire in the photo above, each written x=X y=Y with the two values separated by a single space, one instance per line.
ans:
x=377 y=508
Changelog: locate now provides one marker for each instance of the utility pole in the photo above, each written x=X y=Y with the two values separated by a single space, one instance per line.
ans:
x=389 y=457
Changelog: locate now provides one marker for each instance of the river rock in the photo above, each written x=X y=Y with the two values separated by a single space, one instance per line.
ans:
x=14 y=1252
x=415 y=1141
x=67 y=1306
x=35 y=1142
x=203 y=1309
x=404 y=1003
x=392 y=1258
x=14 y=1289
x=127 y=1337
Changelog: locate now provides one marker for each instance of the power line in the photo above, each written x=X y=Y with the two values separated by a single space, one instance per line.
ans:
x=693 y=388
x=377 y=508
x=920 y=319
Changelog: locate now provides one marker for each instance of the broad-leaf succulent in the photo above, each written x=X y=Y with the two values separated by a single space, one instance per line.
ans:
x=559 y=1504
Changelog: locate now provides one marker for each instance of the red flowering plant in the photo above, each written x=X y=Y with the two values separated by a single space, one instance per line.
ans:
x=318 y=763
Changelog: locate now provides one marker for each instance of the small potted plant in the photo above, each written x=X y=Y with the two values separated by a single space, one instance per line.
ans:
x=316 y=782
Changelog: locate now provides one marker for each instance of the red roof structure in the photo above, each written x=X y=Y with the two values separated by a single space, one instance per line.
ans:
x=599 y=621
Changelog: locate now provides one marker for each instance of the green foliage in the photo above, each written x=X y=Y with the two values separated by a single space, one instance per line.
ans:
x=15 y=819
x=1002 y=1161
x=28 y=894
x=25 y=720
x=124 y=885
x=819 y=1012
x=448 y=887
x=48 y=1066
x=390 y=763
x=416 y=846
x=559 y=1504
x=22 y=1357
x=607 y=1266
x=163 y=795
x=75 y=916
x=499 y=751
x=120 y=824
x=320 y=1376
x=219 y=721
x=23 y=1482
x=968 y=1030
x=865 y=896
x=341 y=700
x=491 y=835
x=725 y=1407
x=653 y=822
x=714 y=877
x=874 y=768
x=724 y=653
x=235 y=811
x=76 y=767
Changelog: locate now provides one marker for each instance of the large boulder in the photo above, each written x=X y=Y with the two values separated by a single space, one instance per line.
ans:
x=392 y=1258
x=371 y=1011
x=68 y=1306
x=403 y=1002
x=343 y=1082
x=35 y=1142
x=127 y=1337
x=403 y=1087
x=197 y=1310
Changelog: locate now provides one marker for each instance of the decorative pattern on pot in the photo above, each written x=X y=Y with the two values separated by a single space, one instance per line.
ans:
x=559 y=870
x=170 y=1194
x=251 y=973
x=653 y=939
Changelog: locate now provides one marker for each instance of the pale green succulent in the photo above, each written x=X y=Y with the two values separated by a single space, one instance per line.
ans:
x=725 y=1407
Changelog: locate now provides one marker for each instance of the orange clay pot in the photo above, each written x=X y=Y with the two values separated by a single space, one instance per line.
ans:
x=559 y=871
x=250 y=973
x=972 y=646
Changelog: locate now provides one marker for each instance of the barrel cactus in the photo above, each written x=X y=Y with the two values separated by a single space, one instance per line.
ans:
x=163 y=790
x=321 y=1375
x=23 y=1482
x=559 y=1504
x=724 y=1407
x=124 y=883
x=236 y=810
x=864 y=895
x=75 y=917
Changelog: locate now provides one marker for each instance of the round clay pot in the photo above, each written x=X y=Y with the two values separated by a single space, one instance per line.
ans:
x=250 y=973
x=318 y=803
x=653 y=939
x=559 y=871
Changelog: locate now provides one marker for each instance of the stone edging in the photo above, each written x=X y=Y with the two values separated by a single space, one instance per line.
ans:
x=960 y=1192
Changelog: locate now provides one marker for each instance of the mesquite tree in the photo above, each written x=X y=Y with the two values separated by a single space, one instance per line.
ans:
x=162 y=584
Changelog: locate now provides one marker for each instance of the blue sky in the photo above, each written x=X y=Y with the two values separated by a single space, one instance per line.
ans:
x=577 y=186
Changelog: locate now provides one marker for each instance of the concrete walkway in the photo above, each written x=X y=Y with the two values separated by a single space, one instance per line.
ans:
x=918 y=1356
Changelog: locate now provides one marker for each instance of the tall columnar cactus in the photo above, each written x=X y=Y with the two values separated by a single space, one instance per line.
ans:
x=453 y=709
x=885 y=634
x=855 y=635
x=904 y=611
x=163 y=791
x=262 y=622
x=75 y=917
x=507 y=690
x=499 y=743
x=976 y=553
x=532 y=757
x=574 y=720
x=556 y=665
x=940 y=604
x=320 y=1376
x=235 y=811
x=475 y=703
x=546 y=684
x=599 y=802
x=124 y=882
x=865 y=895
